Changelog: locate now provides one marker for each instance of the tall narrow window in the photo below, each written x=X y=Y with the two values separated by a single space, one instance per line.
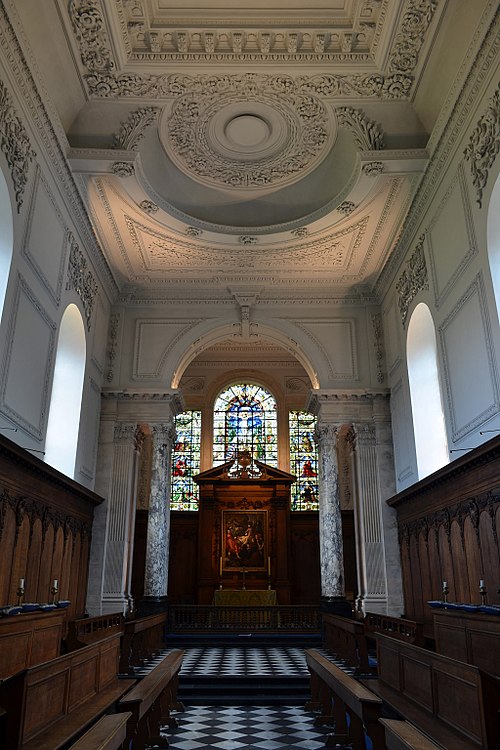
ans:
x=303 y=460
x=186 y=461
x=427 y=407
x=245 y=418
x=6 y=238
x=65 y=404
x=493 y=240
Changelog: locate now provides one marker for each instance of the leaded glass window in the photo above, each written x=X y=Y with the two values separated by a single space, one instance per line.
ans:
x=186 y=461
x=245 y=418
x=303 y=460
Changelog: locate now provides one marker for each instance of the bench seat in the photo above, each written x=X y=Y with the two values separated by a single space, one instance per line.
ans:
x=107 y=734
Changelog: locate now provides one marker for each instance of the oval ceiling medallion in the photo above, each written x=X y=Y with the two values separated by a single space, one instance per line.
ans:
x=247 y=132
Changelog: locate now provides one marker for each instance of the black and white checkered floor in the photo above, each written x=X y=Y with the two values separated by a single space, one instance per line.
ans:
x=273 y=727
x=246 y=728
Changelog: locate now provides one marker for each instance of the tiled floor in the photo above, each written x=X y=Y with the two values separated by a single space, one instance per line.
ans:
x=246 y=728
x=245 y=662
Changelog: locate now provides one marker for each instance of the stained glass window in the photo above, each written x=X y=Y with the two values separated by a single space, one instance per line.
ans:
x=303 y=460
x=186 y=461
x=245 y=418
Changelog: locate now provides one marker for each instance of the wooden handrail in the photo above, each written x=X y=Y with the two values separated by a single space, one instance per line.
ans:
x=305 y=618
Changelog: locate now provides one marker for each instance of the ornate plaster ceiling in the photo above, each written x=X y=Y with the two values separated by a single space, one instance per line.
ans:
x=272 y=144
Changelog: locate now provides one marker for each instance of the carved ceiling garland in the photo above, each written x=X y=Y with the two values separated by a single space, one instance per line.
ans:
x=367 y=135
x=123 y=169
x=413 y=280
x=484 y=145
x=149 y=207
x=103 y=81
x=81 y=279
x=112 y=348
x=15 y=144
x=302 y=117
x=133 y=130
x=378 y=342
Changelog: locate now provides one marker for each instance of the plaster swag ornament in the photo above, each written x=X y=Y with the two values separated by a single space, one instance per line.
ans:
x=368 y=136
x=81 y=279
x=149 y=207
x=15 y=144
x=484 y=145
x=346 y=208
x=413 y=280
x=373 y=168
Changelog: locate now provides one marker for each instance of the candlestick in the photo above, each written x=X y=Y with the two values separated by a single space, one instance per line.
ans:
x=445 y=591
x=482 y=591
x=20 y=591
x=21 y=583
x=54 y=590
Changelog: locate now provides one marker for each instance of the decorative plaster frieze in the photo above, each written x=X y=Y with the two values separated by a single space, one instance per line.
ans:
x=15 y=144
x=484 y=145
x=81 y=279
x=413 y=280
x=368 y=136
x=379 y=345
x=134 y=129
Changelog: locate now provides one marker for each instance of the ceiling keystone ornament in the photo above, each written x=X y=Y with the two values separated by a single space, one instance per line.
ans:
x=123 y=169
x=81 y=279
x=373 y=168
x=484 y=145
x=367 y=135
x=413 y=280
x=15 y=144
x=247 y=131
x=133 y=130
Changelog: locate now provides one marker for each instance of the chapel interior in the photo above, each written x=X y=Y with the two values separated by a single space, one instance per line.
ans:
x=249 y=374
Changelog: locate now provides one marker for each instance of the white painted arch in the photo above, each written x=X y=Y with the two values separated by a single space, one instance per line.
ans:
x=212 y=332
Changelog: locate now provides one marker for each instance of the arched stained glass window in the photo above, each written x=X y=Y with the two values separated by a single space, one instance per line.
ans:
x=245 y=418
x=303 y=460
x=186 y=461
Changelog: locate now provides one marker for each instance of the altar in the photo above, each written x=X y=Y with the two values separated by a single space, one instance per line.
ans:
x=245 y=598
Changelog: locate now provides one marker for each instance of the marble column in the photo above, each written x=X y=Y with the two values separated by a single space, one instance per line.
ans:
x=370 y=554
x=158 y=534
x=330 y=522
x=120 y=519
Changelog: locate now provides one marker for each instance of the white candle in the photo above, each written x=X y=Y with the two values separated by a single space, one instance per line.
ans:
x=481 y=584
x=21 y=583
x=55 y=583
x=444 y=585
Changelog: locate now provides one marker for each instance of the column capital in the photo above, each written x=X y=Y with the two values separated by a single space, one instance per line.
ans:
x=364 y=434
x=326 y=434
x=163 y=434
x=124 y=432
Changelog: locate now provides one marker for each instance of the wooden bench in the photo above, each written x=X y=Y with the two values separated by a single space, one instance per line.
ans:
x=150 y=702
x=89 y=630
x=346 y=639
x=51 y=704
x=142 y=639
x=107 y=734
x=401 y=735
x=338 y=696
x=397 y=627
x=454 y=703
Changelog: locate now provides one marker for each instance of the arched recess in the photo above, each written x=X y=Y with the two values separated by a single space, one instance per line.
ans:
x=425 y=390
x=6 y=238
x=493 y=241
x=66 y=400
x=201 y=337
